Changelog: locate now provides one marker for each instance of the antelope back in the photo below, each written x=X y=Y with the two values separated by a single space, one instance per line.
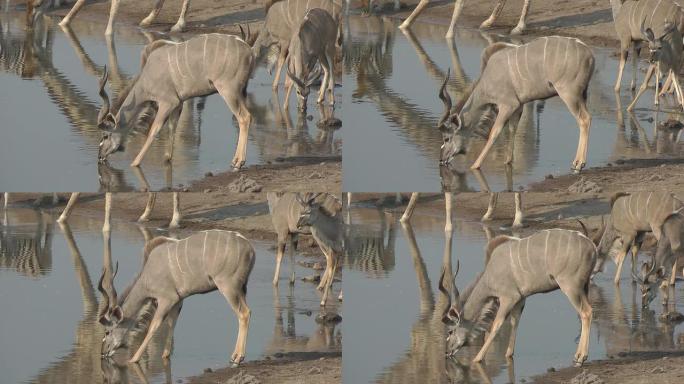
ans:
x=637 y=15
x=642 y=211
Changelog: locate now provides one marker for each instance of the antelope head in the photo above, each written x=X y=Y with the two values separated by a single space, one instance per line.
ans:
x=111 y=316
x=649 y=278
x=655 y=44
x=451 y=127
x=310 y=73
x=310 y=209
x=111 y=137
x=457 y=327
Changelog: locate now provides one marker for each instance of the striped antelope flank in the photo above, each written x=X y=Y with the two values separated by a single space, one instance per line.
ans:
x=172 y=271
x=631 y=18
x=285 y=211
x=315 y=42
x=515 y=269
x=114 y=8
x=283 y=18
x=328 y=231
x=631 y=216
x=511 y=76
x=144 y=217
x=29 y=250
x=174 y=72
x=670 y=247
x=665 y=56
x=458 y=7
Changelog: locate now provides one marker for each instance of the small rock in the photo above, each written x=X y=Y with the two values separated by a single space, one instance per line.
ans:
x=208 y=370
x=315 y=175
x=658 y=370
x=586 y=378
x=328 y=318
x=318 y=267
x=314 y=371
x=619 y=161
x=312 y=279
x=321 y=359
x=551 y=369
x=672 y=317
x=655 y=177
x=244 y=184
x=609 y=164
x=208 y=190
x=663 y=165
x=186 y=189
x=208 y=174
x=560 y=216
x=243 y=378
x=332 y=122
x=584 y=186
x=548 y=177
x=278 y=355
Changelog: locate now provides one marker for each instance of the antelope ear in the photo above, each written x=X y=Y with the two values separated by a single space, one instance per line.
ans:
x=648 y=33
x=669 y=28
x=117 y=314
x=660 y=272
x=456 y=121
x=104 y=321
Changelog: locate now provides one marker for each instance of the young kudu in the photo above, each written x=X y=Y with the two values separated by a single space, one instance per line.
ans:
x=149 y=206
x=315 y=42
x=328 y=231
x=285 y=212
x=283 y=18
x=172 y=271
x=631 y=18
x=512 y=75
x=458 y=7
x=174 y=72
x=146 y=22
x=631 y=216
x=516 y=269
x=665 y=57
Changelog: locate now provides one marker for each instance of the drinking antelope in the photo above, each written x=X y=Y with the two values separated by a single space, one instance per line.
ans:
x=631 y=216
x=516 y=269
x=174 y=72
x=512 y=75
x=631 y=18
x=314 y=42
x=458 y=7
x=146 y=22
x=285 y=210
x=172 y=271
x=283 y=18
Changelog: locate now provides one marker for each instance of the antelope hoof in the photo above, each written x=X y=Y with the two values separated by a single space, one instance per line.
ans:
x=403 y=25
x=166 y=354
x=237 y=164
x=65 y=21
x=235 y=362
x=146 y=22
x=134 y=359
x=486 y=24
x=174 y=225
x=475 y=166
x=518 y=30
x=179 y=27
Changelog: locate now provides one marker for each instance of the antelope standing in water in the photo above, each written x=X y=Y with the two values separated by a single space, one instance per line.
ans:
x=512 y=75
x=146 y=22
x=174 y=72
x=174 y=270
x=515 y=269
x=283 y=18
x=631 y=216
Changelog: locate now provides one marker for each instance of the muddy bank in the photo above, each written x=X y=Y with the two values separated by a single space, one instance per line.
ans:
x=289 y=368
x=628 y=368
x=321 y=176
x=589 y=20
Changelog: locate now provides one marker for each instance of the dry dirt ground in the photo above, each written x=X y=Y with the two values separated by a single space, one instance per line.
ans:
x=243 y=212
x=205 y=16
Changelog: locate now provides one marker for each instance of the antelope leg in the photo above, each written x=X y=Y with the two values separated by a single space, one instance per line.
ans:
x=504 y=308
x=325 y=65
x=409 y=20
x=108 y=213
x=176 y=218
x=171 y=319
x=330 y=279
x=577 y=105
x=502 y=117
x=236 y=103
x=635 y=252
x=67 y=210
x=147 y=21
x=624 y=51
x=448 y=226
x=618 y=261
x=410 y=207
x=163 y=308
x=292 y=260
x=237 y=299
x=493 y=199
x=512 y=128
x=495 y=14
x=113 y=10
x=279 y=258
x=520 y=28
x=180 y=24
x=162 y=114
x=642 y=89
x=458 y=7
x=72 y=13
x=151 y=198
x=279 y=67
x=579 y=300
x=515 y=321
x=518 y=220
x=636 y=50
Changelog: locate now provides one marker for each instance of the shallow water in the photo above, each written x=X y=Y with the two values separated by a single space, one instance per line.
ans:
x=55 y=149
x=400 y=310
x=49 y=307
x=393 y=79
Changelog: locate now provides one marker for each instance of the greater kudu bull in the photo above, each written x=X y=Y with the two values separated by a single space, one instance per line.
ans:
x=174 y=72
x=512 y=75
x=172 y=271
x=515 y=269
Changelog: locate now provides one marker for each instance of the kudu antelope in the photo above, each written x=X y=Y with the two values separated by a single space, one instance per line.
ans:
x=285 y=210
x=458 y=7
x=670 y=247
x=146 y=22
x=172 y=271
x=145 y=216
x=631 y=216
x=174 y=72
x=632 y=18
x=516 y=269
x=665 y=56
x=512 y=75
x=283 y=18
x=328 y=231
x=314 y=43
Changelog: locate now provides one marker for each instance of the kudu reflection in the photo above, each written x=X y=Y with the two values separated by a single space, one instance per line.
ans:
x=26 y=242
